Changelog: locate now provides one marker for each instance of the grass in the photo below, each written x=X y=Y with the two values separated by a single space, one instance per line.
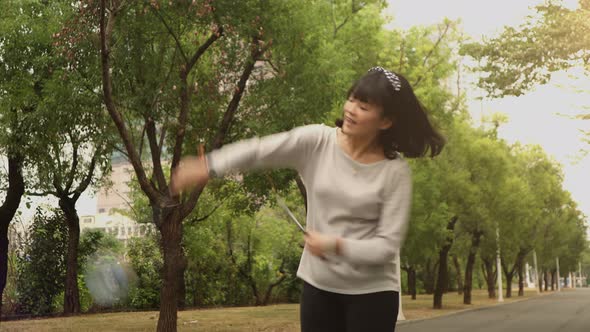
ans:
x=282 y=317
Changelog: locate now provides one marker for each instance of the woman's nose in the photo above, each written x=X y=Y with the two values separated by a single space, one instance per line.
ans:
x=351 y=109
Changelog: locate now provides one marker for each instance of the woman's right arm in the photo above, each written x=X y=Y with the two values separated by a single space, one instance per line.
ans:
x=290 y=149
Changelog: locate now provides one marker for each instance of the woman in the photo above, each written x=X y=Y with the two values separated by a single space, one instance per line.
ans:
x=359 y=192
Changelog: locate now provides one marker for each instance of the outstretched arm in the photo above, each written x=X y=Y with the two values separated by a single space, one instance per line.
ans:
x=286 y=149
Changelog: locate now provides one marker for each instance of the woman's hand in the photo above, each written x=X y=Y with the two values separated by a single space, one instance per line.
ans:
x=191 y=172
x=320 y=245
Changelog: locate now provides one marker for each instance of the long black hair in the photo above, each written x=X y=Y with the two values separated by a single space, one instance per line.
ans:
x=411 y=134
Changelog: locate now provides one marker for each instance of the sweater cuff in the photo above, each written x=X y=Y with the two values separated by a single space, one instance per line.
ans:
x=210 y=166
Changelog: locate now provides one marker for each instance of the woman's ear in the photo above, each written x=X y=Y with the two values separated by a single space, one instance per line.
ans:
x=386 y=123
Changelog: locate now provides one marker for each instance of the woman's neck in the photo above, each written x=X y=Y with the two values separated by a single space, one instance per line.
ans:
x=360 y=148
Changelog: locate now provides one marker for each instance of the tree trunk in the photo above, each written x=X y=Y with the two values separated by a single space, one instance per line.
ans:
x=412 y=281
x=16 y=189
x=244 y=270
x=170 y=243
x=459 y=277
x=520 y=276
x=490 y=276
x=553 y=273
x=4 y=223
x=476 y=237
x=273 y=285
x=546 y=279
x=429 y=276
x=509 y=277
x=195 y=297
x=443 y=269
x=181 y=283
x=540 y=282
x=441 y=282
x=71 y=293
x=508 y=274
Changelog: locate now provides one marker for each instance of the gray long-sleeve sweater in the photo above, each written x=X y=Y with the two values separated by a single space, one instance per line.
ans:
x=367 y=205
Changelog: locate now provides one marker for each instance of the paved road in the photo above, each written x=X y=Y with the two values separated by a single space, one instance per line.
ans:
x=567 y=311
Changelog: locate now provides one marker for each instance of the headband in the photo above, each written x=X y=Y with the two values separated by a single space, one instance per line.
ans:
x=391 y=77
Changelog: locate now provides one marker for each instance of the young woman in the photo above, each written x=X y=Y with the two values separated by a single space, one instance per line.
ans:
x=359 y=192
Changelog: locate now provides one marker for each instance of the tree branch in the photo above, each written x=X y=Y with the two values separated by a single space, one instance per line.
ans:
x=141 y=140
x=106 y=29
x=401 y=54
x=227 y=118
x=238 y=93
x=176 y=40
x=436 y=44
x=272 y=65
x=72 y=172
x=274 y=284
x=162 y=137
x=57 y=179
x=185 y=96
x=244 y=272
x=16 y=184
x=88 y=179
x=353 y=11
x=42 y=194
x=155 y=152
x=123 y=152
x=431 y=52
x=203 y=48
x=340 y=26
x=57 y=185
x=196 y=220
x=429 y=70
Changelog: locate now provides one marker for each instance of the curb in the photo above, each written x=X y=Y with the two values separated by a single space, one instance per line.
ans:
x=462 y=311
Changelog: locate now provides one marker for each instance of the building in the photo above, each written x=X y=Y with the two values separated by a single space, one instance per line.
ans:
x=112 y=202
x=115 y=195
x=121 y=227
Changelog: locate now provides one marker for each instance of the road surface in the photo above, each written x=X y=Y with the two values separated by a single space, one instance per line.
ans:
x=567 y=311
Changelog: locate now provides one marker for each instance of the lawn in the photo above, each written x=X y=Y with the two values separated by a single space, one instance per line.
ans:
x=282 y=317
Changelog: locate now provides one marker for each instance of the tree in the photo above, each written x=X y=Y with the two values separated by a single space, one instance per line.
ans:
x=76 y=157
x=243 y=53
x=42 y=264
x=24 y=42
x=8 y=210
x=261 y=248
x=146 y=262
x=63 y=114
x=520 y=58
x=424 y=56
x=428 y=219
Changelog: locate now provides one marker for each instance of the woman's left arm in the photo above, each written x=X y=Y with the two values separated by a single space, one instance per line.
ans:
x=392 y=228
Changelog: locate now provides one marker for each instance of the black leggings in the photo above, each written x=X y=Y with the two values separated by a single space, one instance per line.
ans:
x=323 y=311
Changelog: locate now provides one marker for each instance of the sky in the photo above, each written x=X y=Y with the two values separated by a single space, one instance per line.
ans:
x=538 y=116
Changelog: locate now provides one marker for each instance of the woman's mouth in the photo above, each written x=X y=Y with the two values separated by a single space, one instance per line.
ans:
x=349 y=120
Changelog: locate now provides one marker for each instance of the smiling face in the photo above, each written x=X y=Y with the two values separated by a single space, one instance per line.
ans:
x=362 y=118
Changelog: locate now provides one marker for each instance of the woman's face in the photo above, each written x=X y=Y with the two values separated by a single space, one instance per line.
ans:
x=363 y=119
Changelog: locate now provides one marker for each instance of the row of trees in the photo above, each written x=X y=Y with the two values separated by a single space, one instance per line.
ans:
x=153 y=79
x=489 y=196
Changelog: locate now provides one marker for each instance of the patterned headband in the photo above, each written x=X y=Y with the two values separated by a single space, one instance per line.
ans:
x=391 y=77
